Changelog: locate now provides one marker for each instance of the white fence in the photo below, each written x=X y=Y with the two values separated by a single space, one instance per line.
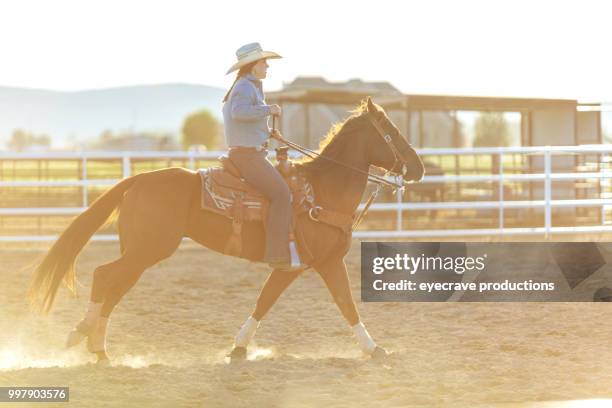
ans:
x=547 y=177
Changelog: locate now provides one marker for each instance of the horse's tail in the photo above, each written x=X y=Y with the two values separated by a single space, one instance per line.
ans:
x=59 y=262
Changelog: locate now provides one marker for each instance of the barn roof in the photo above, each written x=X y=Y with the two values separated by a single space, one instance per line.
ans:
x=318 y=90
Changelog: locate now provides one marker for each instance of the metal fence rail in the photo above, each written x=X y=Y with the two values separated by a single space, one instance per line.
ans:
x=546 y=176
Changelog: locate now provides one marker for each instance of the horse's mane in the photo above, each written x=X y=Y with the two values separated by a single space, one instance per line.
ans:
x=334 y=143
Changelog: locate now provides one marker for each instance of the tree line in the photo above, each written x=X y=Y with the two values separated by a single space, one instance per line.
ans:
x=198 y=129
x=202 y=129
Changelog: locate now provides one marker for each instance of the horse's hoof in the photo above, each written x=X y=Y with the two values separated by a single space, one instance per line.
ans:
x=379 y=353
x=74 y=338
x=103 y=363
x=238 y=354
x=103 y=360
x=92 y=347
x=78 y=334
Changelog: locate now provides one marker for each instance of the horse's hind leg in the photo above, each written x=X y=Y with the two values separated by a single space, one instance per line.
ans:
x=102 y=277
x=112 y=282
x=336 y=279
x=152 y=221
x=120 y=281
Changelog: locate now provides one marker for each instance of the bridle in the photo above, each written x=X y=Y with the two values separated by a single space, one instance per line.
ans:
x=398 y=157
x=374 y=178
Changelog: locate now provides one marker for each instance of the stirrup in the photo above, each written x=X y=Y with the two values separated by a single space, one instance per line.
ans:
x=287 y=267
x=295 y=264
x=295 y=256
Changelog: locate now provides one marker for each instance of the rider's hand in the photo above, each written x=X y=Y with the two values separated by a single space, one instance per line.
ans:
x=275 y=110
x=275 y=134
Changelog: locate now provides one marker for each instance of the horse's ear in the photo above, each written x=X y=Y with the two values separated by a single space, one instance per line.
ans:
x=371 y=106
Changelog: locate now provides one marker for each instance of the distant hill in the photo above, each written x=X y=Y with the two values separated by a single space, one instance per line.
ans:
x=75 y=117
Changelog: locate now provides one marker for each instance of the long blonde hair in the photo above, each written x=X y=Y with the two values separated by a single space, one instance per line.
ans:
x=242 y=72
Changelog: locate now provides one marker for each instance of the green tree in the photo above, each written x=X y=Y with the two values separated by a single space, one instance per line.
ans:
x=200 y=128
x=21 y=140
x=491 y=130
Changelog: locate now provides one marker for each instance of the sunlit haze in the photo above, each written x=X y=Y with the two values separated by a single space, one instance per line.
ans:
x=499 y=48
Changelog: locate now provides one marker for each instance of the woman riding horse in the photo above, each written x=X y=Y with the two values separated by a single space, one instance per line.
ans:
x=245 y=118
x=157 y=209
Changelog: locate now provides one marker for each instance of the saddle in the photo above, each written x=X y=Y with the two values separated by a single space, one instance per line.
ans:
x=226 y=193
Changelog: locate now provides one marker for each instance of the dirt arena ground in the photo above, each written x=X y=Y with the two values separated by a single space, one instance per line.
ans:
x=169 y=336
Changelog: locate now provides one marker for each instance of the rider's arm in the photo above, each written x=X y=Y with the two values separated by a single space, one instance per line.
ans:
x=245 y=103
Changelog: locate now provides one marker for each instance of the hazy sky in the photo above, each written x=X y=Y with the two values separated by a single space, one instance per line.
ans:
x=498 y=48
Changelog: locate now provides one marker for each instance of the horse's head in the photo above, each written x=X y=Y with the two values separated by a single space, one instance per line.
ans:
x=387 y=148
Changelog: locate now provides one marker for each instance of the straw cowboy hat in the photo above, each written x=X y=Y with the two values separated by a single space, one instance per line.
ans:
x=251 y=53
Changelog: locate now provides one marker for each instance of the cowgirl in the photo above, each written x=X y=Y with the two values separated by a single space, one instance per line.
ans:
x=245 y=116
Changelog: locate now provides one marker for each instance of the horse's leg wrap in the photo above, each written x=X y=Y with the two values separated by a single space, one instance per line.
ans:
x=93 y=312
x=366 y=342
x=246 y=332
x=97 y=340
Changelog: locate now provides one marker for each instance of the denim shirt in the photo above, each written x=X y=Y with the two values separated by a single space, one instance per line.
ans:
x=245 y=114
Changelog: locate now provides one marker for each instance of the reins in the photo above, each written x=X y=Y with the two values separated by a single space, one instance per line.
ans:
x=374 y=178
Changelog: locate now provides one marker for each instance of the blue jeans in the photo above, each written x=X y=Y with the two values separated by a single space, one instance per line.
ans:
x=260 y=173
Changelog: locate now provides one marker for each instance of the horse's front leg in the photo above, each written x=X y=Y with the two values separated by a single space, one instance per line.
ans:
x=274 y=286
x=336 y=279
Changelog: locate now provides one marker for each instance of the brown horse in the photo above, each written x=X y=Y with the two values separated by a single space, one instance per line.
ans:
x=158 y=208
